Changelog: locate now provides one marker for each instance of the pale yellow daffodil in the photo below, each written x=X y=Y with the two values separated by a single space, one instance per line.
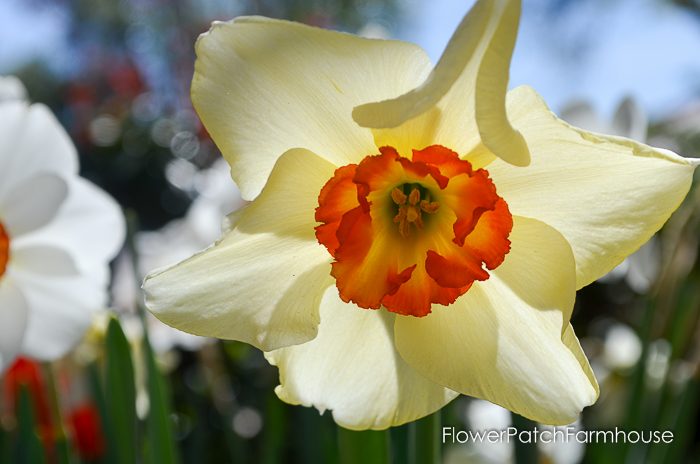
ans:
x=414 y=234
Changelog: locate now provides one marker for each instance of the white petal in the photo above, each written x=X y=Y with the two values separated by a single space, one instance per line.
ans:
x=263 y=86
x=11 y=88
x=46 y=260
x=13 y=320
x=352 y=368
x=32 y=141
x=60 y=311
x=89 y=226
x=32 y=204
x=606 y=195
x=263 y=281
x=502 y=340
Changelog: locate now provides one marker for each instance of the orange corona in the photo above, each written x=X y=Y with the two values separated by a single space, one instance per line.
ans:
x=4 y=250
x=407 y=233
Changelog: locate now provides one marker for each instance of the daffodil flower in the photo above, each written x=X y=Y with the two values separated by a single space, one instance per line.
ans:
x=58 y=233
x=415 y=233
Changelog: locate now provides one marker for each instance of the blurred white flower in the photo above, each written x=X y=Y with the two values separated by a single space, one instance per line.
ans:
x=629 y=120
x=482 y=415
x=11 y=89
x=177 y=240
x=201 y=226
x=58 y=233
x=622 y=347
x=640 y=269
x=657 y=363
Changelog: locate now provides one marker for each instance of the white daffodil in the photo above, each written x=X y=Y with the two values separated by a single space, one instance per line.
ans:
x=400 y=252
x=58 y=233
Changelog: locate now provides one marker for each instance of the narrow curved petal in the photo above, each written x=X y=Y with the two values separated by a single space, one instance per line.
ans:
x=32 y=204
x=264 y=86
x=263 y=281
x=89 y=226
x=468 y=87
x=32 y=141
x=352 y=368
x=502 y=340
x=60 y=311
x=606 y=195
x=13 y=320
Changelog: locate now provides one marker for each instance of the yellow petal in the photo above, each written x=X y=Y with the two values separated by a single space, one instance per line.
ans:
x=502 y=340
x=572 y=343
x=606 y=195
x=263 y=281
x=352 y=368
x=468 y=87
x=263 y=86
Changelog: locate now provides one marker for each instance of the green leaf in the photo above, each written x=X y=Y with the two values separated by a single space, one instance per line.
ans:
x=275 y=430
x=29 y=449
x=428 y=439
x=367 y=447
x=98 y=395
x=525 y=452
x=161 y=444
x=402 y=441
x=120 y=393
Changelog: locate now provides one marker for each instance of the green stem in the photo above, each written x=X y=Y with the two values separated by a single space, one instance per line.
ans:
x=525 y=453
x=61 y=444
x=402 y=444
x=366 y=447
x=427 y=439
x=132 y=226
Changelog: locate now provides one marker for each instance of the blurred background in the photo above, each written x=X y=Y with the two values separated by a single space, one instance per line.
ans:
x=117 y=75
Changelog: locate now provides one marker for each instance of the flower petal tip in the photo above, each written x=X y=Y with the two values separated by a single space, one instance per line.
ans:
x=694 y=162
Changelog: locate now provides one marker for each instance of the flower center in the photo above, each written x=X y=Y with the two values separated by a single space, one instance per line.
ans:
x=411 y=207
x=409 y=233
x=4 y=250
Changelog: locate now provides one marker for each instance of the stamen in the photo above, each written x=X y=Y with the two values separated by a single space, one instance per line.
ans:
x=398 y=196
x=411 y=208
x=414 y=197
x=429 y=206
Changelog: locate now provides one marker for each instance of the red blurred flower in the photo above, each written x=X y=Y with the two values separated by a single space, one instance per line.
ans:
x=88 y=438
x=27 y=373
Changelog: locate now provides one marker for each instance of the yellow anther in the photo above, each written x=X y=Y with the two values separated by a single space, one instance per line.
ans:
x=410 y=209
x=429 y=206
x=398 y=196
x=414 y=197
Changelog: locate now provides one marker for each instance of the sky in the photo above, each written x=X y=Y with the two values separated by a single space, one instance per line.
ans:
x=27 y=32
x=641 y=48
x=597 y=50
